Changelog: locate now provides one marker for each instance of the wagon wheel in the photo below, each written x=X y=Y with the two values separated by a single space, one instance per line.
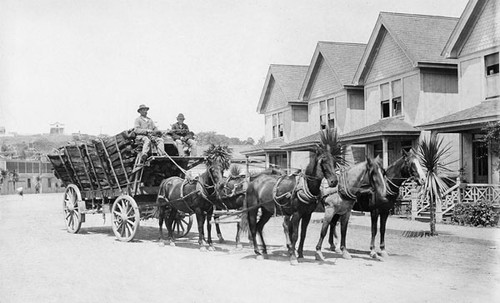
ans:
x=182 y=224
x=125 y=218
x=72 y=214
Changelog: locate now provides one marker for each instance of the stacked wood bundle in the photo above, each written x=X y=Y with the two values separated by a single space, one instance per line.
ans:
x=117 y=154
x=62 y=169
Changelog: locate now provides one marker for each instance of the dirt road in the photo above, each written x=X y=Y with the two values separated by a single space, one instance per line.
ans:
x=41 y=262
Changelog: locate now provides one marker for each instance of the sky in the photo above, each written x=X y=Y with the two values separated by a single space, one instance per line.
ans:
x=89 y=64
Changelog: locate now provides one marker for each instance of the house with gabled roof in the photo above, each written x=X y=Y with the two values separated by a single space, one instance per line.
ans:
x=332 y=98
x=475 y=44
x=285 y=116
x=406 y=82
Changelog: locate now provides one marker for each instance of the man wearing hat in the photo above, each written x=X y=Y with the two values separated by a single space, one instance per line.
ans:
x=147 y=131
x=182 y=136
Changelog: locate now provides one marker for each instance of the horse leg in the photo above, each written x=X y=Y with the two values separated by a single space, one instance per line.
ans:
x=217 y=228
x=238 y=231
x=161 y=219
x=324 y=229
x=344 y=220
x=266 y=215
x=294 y=231
x=286 y=229
x=334 y=239
x=383 y=221
x=169 y=221
x=252 y=225
x=374 y=219
x=209 y=230
x=306 y=218
x=200 y=218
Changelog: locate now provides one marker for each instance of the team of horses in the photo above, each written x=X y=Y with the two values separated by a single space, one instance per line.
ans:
x=365 y=186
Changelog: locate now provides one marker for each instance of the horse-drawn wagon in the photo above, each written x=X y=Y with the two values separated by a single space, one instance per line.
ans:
x=106 y=175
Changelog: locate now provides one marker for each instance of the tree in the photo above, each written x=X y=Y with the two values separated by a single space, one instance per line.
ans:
x=3 y=176
x=261 y=140
x=432 y=154
x=249 y=141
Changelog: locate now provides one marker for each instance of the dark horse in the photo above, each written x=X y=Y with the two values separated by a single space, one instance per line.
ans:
x=196 y=196
x=295 y=196
x=402 y=169
x=231 y=195
x=365 y=178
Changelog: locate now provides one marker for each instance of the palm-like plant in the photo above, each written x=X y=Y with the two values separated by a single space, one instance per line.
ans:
x=432 y=154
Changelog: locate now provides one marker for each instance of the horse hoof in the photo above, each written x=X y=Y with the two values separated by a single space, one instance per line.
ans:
x=221 y=240
x=211 y=248
x=239 y=246
x=259 y=257
x=346 y=255
x=384 y=254
x=161 y=243
x=319 y=256
x=294 y=261
x=203 y=249
x=172 y=244
x=373 y=255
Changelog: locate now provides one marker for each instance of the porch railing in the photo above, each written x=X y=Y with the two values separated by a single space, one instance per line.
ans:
x=458 y=193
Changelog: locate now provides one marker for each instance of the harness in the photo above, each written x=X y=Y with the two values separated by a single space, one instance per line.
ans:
x=300 y=190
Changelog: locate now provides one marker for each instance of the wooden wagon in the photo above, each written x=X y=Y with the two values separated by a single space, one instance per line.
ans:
x=106 y=175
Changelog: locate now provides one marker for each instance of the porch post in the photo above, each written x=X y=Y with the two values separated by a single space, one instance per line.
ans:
x=414 y=202
x=247 y=162
x=267 y=160
x=289 y=160
x=385 y=152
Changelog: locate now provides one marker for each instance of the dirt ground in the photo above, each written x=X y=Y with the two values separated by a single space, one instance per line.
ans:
x=41 y=262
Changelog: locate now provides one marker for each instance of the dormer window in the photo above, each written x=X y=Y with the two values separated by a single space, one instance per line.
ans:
x=492 y=78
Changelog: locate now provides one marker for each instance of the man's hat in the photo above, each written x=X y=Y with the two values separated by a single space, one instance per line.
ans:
x=180 y=116
x=142 y=106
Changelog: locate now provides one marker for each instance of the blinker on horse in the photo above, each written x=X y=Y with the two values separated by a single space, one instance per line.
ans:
x=295 y=196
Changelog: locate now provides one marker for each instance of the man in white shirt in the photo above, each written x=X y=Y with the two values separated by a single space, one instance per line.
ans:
x=147 y=131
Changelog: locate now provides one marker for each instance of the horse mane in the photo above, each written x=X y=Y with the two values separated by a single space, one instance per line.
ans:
x=330 y=143
x=218 y=154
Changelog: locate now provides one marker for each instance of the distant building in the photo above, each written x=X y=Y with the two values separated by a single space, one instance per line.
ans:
x=57 y=128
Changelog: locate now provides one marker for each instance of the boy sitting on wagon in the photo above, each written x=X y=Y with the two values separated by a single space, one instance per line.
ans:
x=183 y=137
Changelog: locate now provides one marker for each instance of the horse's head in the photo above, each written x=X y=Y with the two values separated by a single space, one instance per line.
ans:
x=217 y=159
x=326 y=164
x=412 y=166
x=376 y=178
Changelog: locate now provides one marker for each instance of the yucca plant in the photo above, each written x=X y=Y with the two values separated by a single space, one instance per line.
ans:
x=433 y=154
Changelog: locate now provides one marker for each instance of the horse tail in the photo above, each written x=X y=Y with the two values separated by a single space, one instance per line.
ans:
x=244 y=226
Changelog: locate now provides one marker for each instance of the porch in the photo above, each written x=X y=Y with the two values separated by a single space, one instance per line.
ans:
x=460 y=192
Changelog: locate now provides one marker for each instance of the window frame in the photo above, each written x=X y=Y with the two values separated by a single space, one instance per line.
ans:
x=493 y=64
x=392 y=99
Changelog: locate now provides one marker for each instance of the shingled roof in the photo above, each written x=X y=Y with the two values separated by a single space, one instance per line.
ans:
x=343 y=59
x=385 y=127
x=288 y=78
x=303 y=143
x=421 y=37
x=261 y=149
x=470 y=118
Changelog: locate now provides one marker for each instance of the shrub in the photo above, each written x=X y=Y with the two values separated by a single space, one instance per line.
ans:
x=475 y=214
